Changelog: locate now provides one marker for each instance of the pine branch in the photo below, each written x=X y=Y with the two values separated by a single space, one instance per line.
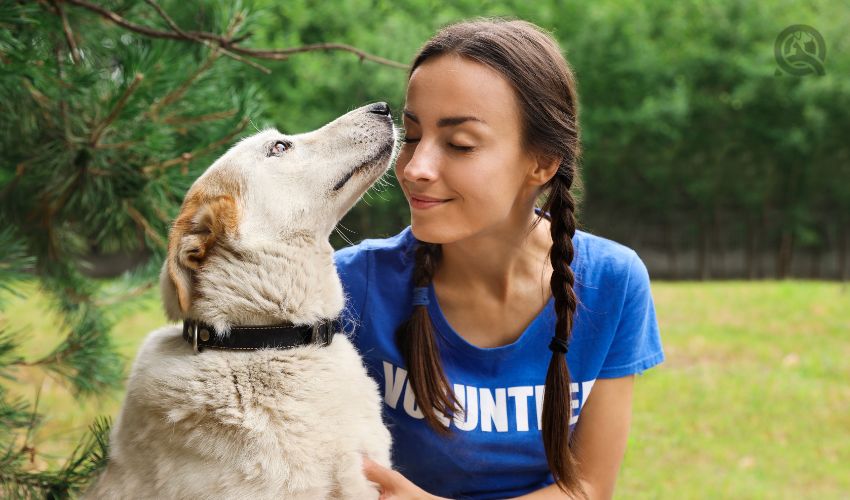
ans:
x=120 y=295
x=85 y=358
x=191 y=120
x=69 y=35
x=87 y=459
x=231 y=45
x=15 y=265
x=14 y=414
x=125 y=297
x=143 y=222
x=122 y=101
x=209 y=44
x=177 y=93
x=19 y=172
x=189 y=156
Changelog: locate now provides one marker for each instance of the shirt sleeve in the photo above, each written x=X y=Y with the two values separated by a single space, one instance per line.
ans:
x=636 y=345
x=352 y=267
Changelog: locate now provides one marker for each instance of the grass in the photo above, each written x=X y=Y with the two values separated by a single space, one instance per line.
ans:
x=753 y=400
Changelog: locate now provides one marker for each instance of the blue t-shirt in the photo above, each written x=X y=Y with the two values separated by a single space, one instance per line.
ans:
x=495 y=449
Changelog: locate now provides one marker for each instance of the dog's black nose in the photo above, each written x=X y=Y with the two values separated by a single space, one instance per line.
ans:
x=379 y=108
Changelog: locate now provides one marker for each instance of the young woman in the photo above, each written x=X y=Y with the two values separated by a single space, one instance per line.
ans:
x=466 y=316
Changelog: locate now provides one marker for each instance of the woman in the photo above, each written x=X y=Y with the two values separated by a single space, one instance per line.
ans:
x=465 y=316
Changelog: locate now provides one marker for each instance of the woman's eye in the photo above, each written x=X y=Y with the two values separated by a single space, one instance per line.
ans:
x=280 y=147
x=409 y=140
x=465 y=149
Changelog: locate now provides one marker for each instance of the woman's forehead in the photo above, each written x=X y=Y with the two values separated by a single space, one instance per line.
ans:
x=455 y=87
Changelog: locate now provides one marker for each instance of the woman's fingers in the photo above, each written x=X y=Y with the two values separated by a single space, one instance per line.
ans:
x=393 y=485
x=377 y=473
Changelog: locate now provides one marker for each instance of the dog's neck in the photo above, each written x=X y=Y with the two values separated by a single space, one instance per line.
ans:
x=268 y=283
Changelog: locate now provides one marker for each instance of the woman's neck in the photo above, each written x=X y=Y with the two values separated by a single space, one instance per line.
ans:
x=501 y=264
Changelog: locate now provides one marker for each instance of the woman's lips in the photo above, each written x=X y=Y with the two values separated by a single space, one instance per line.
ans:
x=423 y=204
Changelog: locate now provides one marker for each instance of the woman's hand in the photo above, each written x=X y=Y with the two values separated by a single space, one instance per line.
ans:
x=393 y=485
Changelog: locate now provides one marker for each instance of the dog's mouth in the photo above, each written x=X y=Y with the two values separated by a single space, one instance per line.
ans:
x=366 y=165
x=350 y=174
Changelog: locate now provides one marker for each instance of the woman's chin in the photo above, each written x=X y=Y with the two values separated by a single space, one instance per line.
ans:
x=427 y=232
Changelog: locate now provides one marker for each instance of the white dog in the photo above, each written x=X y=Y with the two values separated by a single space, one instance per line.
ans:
x=209 y=415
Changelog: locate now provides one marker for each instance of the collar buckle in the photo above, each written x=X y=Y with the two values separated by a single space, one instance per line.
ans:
x=322 y=331
x=193 y=335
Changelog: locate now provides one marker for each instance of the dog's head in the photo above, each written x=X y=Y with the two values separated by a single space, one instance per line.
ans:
x=273 y=187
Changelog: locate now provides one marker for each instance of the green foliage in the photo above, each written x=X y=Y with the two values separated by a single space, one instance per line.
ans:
x=87 y=458
x=680 y=101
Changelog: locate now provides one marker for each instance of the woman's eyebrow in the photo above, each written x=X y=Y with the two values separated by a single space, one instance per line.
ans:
x=449 y=121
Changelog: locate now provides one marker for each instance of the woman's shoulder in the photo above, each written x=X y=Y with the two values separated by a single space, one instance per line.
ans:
x=617 y=300
x=378 y=269
x=602 y=264
x=594 y=255
x=597 y=254
x=397 y=246
x=387 y=261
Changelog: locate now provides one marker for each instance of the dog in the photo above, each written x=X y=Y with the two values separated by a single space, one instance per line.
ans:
x=211 y=411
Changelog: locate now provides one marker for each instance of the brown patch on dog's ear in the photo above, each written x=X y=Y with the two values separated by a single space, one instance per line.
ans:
x=203 y=220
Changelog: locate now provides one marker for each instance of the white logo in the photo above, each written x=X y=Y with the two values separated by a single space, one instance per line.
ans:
x=483 y=408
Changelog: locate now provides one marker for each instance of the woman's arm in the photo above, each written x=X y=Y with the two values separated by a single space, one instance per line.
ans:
x=600 y=443
x=600 y=439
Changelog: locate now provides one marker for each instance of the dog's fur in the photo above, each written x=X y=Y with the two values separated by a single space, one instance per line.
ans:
x=250 y=247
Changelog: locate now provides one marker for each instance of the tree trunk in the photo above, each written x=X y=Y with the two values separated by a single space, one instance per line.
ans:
x=843 y=244
x=785 y=254
x=672 y=251
x=751 y=249
x=703 y=266
x=718 y=251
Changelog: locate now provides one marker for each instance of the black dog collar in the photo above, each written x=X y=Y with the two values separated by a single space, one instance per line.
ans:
x=201 y=335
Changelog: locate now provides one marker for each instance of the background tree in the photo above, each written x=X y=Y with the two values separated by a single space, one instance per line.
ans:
x=721 y=154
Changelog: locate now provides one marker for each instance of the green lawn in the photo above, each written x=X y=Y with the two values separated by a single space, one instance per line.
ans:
x=753 y=400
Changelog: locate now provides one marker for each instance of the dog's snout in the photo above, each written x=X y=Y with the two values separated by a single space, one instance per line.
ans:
x=380 y=108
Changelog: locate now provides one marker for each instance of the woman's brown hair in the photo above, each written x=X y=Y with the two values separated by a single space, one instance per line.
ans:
x=531 y=61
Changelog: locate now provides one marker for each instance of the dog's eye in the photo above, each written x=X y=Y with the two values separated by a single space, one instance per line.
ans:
x=279 y=147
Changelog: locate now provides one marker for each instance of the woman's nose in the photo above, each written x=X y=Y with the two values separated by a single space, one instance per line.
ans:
x=422 y=165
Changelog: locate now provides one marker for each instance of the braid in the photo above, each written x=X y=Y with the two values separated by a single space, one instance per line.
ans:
x=557 y=406
x=416 y=341
x=427 y=255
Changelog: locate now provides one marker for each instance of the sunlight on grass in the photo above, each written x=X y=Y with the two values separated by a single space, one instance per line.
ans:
x=752 y=401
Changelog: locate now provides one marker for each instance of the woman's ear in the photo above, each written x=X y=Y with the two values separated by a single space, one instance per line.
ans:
x=543 y=169
x=201 y=223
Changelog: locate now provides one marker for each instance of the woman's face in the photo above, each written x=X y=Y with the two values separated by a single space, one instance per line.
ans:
x=463 y=145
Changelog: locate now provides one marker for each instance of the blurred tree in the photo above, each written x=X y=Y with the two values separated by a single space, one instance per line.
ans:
x=684 y=103
x=692 y=141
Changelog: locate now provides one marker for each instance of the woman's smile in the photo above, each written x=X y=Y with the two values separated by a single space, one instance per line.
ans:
x=424 y=202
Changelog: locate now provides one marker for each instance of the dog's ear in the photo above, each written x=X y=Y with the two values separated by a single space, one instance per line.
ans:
x=201 y=223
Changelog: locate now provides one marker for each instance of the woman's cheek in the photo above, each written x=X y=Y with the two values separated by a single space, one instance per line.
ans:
x=401 y=161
